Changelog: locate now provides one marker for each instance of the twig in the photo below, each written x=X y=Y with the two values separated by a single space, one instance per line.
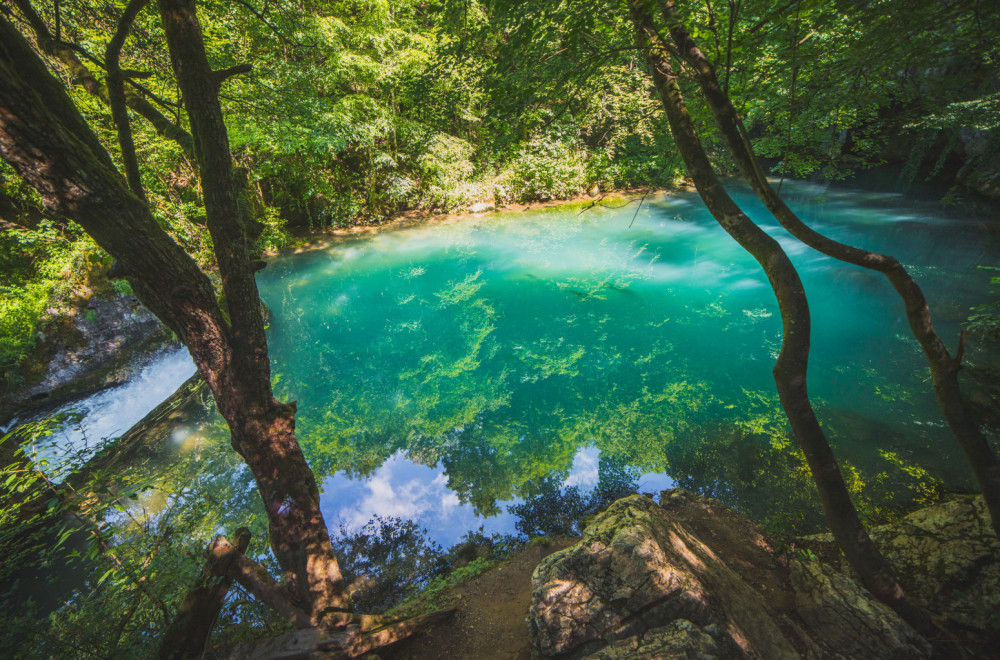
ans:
x=636 y=214
x=593 y=204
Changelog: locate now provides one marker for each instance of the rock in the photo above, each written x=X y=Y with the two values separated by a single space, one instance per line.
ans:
x=847 y=621
x=947 y=558
x=105 y=328
x=636 y=571
x=678 y=639
x=480 y=207
x=691 y=579
x=97 y=350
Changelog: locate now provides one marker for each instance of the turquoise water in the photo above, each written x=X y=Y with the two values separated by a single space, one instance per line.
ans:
x=448 y=372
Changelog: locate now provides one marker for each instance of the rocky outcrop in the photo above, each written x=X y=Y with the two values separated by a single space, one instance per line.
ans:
x=635 y=570
x=946 y=556
x=844 y=620
x=98 y=350
x=690 y=579
x=105 y=327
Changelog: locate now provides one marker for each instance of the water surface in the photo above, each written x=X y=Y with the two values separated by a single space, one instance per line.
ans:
x=460 y=374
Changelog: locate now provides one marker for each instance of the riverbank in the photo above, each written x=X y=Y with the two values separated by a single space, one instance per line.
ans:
x=689 y=578
x=318 y=239
x=101 y=345
x=488 y=623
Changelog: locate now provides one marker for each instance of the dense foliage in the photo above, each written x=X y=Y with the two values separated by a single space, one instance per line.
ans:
x=356 y=111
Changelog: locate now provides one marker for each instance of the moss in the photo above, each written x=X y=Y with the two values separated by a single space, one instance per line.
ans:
x=433 y=595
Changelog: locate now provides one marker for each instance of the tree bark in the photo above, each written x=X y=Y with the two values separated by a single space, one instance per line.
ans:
x=83 y=76
x=263 y=430
x=188 y=633
x=943 y=367
x=45 y=139
x=790 y=368
x=117 y=99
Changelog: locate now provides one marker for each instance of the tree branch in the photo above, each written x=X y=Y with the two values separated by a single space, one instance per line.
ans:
x=258 y=582
x=116 y=96
x=246 y=5
x=190 y=629
x=66 y=53
x=223 y=74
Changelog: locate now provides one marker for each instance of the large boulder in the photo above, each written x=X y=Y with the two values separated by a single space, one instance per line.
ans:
x=946 y=556
x=691 y=579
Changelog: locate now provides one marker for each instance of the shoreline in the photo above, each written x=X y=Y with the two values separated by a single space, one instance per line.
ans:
x=310 y=240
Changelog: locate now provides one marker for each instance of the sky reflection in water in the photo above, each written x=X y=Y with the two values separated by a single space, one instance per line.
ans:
x=403 y=489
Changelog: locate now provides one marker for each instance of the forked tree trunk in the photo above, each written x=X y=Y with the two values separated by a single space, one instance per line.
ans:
x=944 y=368
x=263 y=430
x=790 y=368
x=45 y=139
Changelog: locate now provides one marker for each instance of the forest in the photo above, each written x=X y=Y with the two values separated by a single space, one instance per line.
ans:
x=262 y=258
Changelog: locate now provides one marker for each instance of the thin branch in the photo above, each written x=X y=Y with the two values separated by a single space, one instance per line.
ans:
x=223 y=74
x=66 y=53
x=594 y=203
x=116 y=96
x=263 y=19
x=172 y=106
x=771 y=15
x=638 y=208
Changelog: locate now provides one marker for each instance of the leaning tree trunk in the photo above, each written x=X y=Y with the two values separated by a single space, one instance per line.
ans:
x=263 y=429
x=944 y=368
x=45 y=139
x=82 y=75
x=790 y=368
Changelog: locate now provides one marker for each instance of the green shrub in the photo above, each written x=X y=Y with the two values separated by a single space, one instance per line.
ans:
x=543 y=169
x=985 y=319
x=447 y=175
x=122 y=287
x=20 y=310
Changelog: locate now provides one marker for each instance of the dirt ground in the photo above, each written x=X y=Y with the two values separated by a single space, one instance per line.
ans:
x=489 y=622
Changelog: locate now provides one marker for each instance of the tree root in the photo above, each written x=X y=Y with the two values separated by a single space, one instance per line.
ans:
x=188 y=634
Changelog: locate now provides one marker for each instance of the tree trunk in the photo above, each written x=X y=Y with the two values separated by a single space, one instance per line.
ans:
x=45 y=139
x=187 y=636
x=790 y=368
x=117 y=99
x=944 y=368
x=263 y=430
